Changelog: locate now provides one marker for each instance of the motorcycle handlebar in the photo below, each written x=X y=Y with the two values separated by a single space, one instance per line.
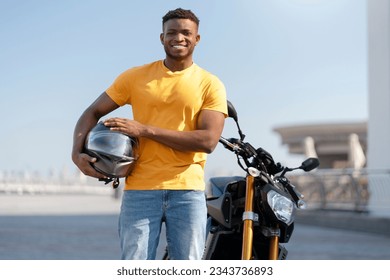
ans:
x=238 y=147
x=234 y=147
x=246 y=151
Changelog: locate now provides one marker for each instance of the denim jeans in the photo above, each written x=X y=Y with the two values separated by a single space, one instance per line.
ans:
x=141 y=217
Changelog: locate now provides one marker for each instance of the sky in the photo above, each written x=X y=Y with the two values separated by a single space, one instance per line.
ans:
x=283 y=62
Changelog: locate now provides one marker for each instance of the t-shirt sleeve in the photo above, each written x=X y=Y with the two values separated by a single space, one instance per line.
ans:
x=216 y=97
x=120 y=90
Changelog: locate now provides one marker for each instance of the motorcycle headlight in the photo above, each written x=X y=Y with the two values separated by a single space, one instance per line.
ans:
x=282 y=206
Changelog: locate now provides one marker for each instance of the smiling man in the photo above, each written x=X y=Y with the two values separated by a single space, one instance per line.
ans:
x=178 y=117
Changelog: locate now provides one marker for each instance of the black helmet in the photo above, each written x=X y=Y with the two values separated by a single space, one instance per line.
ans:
x=113 y=151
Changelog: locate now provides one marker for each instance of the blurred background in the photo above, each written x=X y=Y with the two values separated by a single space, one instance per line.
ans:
x=297 y=71
x=283 y=63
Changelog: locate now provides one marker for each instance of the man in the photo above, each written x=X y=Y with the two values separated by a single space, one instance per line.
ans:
x=179 y=111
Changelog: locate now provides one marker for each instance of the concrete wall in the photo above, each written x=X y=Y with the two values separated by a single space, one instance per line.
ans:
x=379 y=84
x=378 y=15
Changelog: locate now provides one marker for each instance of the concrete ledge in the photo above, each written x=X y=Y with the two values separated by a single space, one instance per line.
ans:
x=64 y=204
x=346 y=220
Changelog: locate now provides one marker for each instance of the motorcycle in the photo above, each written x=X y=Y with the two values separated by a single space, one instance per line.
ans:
x=251 y=217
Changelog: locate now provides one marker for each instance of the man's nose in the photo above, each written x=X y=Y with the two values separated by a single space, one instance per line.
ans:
x=179 y=37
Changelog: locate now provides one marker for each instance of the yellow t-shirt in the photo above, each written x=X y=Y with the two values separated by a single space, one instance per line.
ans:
x=170 y=100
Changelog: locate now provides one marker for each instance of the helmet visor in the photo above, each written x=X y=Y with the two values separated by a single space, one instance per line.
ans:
x=109 y=143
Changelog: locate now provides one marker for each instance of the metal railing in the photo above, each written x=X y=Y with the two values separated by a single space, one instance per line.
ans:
x=344 y=189
x=35 y=184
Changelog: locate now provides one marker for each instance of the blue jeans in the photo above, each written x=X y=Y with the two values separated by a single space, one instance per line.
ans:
x=141 y=217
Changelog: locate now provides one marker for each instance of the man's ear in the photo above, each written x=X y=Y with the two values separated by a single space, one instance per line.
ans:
x=197 y=39
x=162 y=38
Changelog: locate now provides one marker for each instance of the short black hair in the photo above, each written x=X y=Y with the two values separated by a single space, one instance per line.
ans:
x=180 y=13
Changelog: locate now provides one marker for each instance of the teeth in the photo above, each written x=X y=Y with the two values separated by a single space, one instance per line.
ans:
x=178 y=47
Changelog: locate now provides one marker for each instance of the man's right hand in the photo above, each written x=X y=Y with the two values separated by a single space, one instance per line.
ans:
x=83 y=162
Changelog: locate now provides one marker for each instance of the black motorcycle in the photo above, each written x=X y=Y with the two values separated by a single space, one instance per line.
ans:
x=250 y=217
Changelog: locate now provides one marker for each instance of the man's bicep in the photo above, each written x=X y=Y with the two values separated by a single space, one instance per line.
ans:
x=103 y=105
x=212 y=121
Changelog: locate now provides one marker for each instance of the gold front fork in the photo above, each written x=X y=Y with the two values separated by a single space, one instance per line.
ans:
x=274 y=248
x=247 y=241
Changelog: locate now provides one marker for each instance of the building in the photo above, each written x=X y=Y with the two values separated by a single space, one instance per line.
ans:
x=337 y=145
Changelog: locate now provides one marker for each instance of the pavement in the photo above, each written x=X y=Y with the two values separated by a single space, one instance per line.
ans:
x=66 y=226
